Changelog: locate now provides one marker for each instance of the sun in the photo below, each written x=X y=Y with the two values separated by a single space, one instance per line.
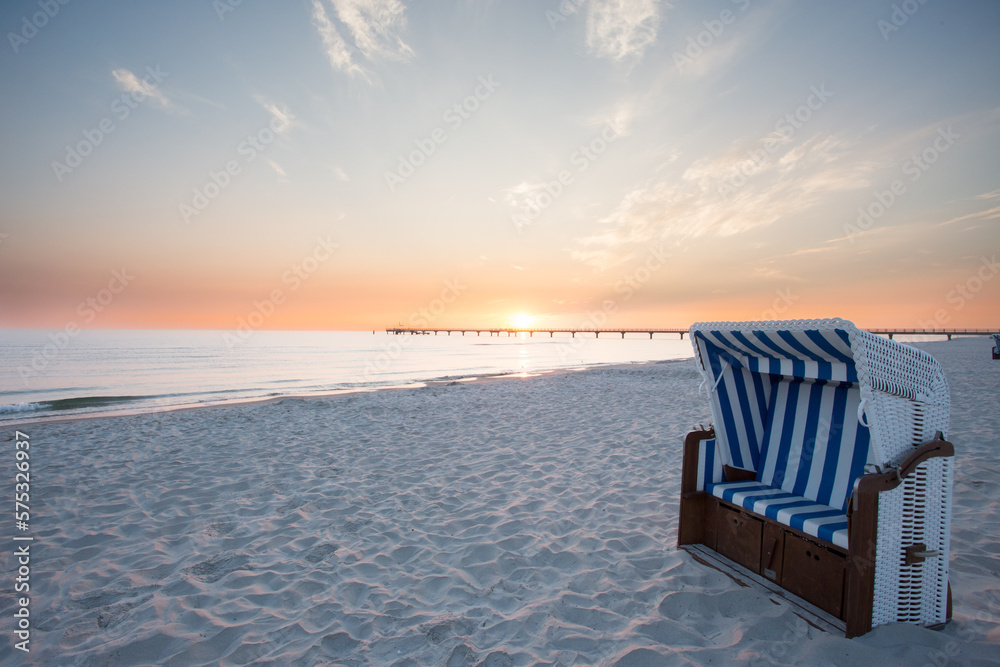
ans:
x=522 y=321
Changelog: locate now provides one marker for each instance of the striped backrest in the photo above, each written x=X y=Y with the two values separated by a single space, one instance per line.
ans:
x=740 y=400
x=785 y=399
x=813 y=444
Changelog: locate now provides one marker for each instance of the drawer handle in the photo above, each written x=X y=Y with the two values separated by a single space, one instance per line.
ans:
x=917 y=553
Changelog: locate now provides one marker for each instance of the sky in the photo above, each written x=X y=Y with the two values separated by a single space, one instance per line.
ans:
x=354 y=164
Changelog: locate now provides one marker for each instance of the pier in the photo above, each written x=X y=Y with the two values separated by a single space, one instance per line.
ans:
x=514 y=331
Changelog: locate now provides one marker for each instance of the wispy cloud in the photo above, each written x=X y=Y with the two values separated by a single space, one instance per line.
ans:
x=751 y=27
x=375 y=26
x=282 y=118
x=988 y=214
x=673 y=207
x=769 y=271
x=523 y=194
x=622 y=29
x=341 y=55
x=129 y=82
x=277 y=168
x=809 y=251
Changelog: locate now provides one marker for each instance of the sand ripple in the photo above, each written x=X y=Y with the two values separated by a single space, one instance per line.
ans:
x=511 y=522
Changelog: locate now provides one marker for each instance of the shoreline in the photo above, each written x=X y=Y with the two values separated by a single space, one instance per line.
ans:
x=326 y=394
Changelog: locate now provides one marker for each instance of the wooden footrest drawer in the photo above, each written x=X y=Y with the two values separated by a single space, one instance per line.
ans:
x=739 y=537
x=814 y=573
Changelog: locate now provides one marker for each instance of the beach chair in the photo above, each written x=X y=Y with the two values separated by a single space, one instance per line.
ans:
x=996 y=346
x=826 y=474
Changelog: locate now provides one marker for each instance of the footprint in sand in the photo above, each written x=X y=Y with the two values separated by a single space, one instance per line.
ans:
x=217 y=567
x=320 y=552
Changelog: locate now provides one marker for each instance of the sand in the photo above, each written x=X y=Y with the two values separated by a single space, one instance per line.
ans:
x=514 y=521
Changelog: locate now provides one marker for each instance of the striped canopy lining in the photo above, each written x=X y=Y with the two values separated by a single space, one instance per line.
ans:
x=813 y=355
x=786 y=406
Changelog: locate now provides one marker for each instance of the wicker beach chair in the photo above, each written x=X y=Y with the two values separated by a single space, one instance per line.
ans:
x=996 y=346
x=826 y=472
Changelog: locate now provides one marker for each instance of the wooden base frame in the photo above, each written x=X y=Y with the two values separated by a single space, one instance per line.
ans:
x=840 y=582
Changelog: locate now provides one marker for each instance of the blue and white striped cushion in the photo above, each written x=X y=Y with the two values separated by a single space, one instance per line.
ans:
x=709 y=464
x=810 y=517
x=813 y=445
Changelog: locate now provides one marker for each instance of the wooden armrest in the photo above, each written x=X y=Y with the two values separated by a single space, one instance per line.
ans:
x=886 y=481
x=689 y=462
x=731 y=474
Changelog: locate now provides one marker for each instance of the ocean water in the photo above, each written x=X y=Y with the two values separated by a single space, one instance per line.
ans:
x=46 y=374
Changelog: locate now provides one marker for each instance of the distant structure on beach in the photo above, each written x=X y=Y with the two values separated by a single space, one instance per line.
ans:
x=401 y=330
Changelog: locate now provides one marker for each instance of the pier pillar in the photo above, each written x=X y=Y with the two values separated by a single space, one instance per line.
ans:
x=572 y=334
x=650 y=335
x=949 y=336
x=552 y=334
x=623 y=335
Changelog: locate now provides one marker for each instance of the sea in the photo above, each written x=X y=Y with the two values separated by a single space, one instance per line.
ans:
x=51 y=375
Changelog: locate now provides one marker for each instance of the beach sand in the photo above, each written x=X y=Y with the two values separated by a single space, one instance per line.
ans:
x=512 y=521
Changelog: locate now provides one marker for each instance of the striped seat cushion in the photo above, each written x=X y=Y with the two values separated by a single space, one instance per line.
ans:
x=822 y=521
